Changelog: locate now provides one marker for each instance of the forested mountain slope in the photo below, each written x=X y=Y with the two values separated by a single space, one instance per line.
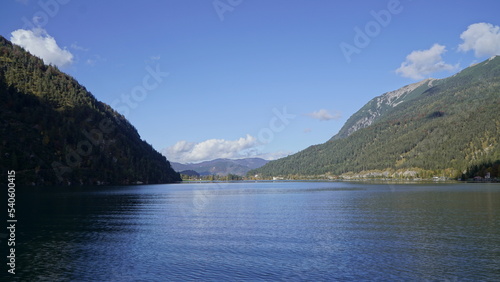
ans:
x=378 y=106
x=53 y=131
x=443 y=127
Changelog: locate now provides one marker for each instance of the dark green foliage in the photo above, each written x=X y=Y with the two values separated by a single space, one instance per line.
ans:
x=53 y=131
x=450 y=127
x=482 y=170
x=379 y=106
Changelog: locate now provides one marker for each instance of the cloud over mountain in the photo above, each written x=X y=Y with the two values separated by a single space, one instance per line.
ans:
x=420 y=63
x=482 y=38
x=39 y=43
x=186 y=152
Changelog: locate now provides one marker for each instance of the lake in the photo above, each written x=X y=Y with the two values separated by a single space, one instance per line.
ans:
x=265 y=231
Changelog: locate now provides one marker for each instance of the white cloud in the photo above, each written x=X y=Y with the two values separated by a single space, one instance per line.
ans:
x=324 y=115
x=423 y=62
x=483 y=38
x=38 y=20
x=91 y=62
x=39 y=43
x=188 y=152
x=77 y=47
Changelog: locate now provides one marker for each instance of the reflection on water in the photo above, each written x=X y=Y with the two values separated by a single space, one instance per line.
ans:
x=287 y=231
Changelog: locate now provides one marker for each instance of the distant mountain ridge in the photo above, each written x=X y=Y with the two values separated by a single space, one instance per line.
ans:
x=222 y=167
x=54 y=132
x=437 y=127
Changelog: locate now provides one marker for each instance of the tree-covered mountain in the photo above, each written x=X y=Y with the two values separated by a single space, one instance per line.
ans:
x=378 y=106
x=437 y=127
x=222 y=167
x=53 y=131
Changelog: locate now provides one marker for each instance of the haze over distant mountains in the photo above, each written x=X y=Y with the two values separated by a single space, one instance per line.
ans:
x=437 y=127
x=221 y=167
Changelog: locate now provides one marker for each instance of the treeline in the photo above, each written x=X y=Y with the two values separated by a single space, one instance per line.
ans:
x=213 y=177
x=490 y=169
x=448 y=129
x=54 y=132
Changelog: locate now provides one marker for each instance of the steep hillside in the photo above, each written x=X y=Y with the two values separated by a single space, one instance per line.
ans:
x=53 y=131
x=439 y=128
x=378 y=106
x=222 y=167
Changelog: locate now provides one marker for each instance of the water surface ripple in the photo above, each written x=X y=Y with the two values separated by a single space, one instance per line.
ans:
x=274 y=231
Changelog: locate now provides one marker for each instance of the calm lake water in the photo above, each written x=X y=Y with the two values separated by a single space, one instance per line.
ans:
x=274 y=231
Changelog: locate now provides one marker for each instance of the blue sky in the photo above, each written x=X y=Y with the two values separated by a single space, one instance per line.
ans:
x=237 y=78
